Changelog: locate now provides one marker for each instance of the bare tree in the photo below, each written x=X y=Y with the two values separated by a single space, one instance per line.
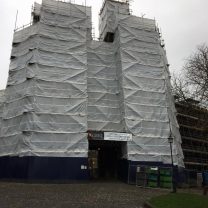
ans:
x=180 y=87
x=196 y=70
x=193 y=82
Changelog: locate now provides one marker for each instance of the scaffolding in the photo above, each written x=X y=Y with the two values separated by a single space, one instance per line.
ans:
x=193 y=122
x=63 y=83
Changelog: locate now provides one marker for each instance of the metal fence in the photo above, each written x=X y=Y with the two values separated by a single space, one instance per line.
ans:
x=162 y=177
x=154 y=177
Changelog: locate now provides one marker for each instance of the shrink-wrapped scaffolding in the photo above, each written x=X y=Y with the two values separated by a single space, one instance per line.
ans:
x=62 y=84
x=45 y=112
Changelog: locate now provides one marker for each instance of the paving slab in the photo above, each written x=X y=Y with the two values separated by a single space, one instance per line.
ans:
x=87 y=195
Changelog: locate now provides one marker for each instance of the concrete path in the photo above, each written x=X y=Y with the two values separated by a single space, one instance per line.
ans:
x=89 y=195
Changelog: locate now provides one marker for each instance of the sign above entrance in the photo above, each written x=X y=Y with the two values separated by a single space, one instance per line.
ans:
x=114 y=136
x=95 y=135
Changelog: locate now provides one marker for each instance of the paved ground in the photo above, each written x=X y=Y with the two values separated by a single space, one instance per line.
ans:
x=89 y=195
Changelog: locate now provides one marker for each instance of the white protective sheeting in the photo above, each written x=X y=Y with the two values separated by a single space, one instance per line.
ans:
x=147 y=120
x=62 y=84
x=102 y=87
x=108 y=16
x=45 y=144
x=45 y=111
x=2 y=98
x=146 y=103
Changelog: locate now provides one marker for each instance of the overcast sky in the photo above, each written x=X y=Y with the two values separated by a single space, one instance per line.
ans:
x=184 y=25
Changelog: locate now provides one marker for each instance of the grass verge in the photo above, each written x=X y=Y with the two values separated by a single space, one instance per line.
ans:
x=180 y=200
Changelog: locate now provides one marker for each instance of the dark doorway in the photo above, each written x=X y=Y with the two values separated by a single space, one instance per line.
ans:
x=104 y=158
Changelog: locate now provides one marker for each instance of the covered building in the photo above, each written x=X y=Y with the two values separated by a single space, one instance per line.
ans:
x=76 y=107
x=1 y=105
